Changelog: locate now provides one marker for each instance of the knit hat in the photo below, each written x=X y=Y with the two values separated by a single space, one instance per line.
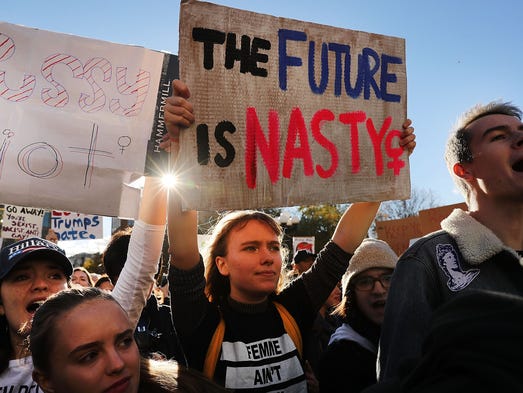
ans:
x=371 y=253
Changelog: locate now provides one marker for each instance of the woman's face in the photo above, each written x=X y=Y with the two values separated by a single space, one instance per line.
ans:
x=80 y=278
x=106 y=286
x=25 y=288
x=253 y=262
x=372 y=302
x=94 y=351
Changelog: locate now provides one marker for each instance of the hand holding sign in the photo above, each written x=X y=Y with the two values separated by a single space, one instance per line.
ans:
x=289 y=112
x=178 y=112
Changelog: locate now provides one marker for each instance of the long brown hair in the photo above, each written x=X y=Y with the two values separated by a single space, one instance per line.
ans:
x=217 y=286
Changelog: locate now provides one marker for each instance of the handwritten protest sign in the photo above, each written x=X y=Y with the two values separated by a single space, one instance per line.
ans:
x=397 y=233
x=430 y=219
x=21 y=222
x=303 y=243
x=78 y=118
x=76 y=226
x=289 y=112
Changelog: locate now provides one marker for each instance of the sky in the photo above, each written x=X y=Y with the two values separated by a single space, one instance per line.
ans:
x=458 y=53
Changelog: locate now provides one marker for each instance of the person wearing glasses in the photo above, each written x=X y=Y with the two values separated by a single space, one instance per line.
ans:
x=349 y=362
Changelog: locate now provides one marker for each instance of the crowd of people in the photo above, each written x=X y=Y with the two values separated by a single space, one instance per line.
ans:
x=446 y=315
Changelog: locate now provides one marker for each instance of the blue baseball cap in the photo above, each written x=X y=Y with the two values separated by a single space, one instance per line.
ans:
x=33 y=248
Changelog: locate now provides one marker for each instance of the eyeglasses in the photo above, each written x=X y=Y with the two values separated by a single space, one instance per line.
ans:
x=367 y=283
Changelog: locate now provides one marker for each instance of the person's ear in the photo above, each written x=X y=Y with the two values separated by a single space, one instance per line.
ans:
x=221 y=264
x=43 y=381
x=462 y=172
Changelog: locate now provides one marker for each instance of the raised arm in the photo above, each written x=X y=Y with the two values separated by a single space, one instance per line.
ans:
x=153 y=206
x=186 y=272
x=182 y=225
x=183 y=235
x=354 y=225
x=136 y=279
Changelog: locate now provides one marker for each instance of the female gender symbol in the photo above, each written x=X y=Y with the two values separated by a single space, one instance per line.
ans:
x=123 y=142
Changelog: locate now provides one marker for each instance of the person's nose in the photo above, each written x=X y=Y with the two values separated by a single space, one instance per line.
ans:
x=40 y=283
x=379 y=288
x=266 y=257
x=114 y=362
x=518 y=138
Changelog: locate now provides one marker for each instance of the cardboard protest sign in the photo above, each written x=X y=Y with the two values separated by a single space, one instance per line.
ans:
x=397 y=233
x=400 y=233
x=19 y=222
x=289 y=112
x=76 y=226
x=430 y=219
x=78 y=119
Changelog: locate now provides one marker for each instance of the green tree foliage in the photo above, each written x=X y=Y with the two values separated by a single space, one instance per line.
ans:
x=319 y=221
x=94 y=263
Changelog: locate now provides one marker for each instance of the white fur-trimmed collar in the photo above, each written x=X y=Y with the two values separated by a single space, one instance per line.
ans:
x=476 y=242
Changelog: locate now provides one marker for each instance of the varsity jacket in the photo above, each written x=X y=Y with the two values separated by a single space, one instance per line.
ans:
x=465 y=255
x=257 y=354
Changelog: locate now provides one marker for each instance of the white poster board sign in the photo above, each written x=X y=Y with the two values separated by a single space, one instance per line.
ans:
x=303 y=243
x=77 y=119
x=76 y=226
x=289 y=112
x=21 y=222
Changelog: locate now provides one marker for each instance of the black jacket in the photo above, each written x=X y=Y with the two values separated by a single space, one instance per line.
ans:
x=155 y=332
x=473 y=345
x=464 y=256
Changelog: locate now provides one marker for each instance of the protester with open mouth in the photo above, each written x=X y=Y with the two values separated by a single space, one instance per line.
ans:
x=349 y=362
x=478 y=248
x=30 y=271
x=33 y=269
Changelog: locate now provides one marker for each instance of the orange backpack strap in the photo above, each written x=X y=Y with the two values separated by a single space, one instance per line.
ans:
x=291 y=327
x=211 y=358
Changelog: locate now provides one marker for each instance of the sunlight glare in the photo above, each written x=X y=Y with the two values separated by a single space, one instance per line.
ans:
x=169 y=180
